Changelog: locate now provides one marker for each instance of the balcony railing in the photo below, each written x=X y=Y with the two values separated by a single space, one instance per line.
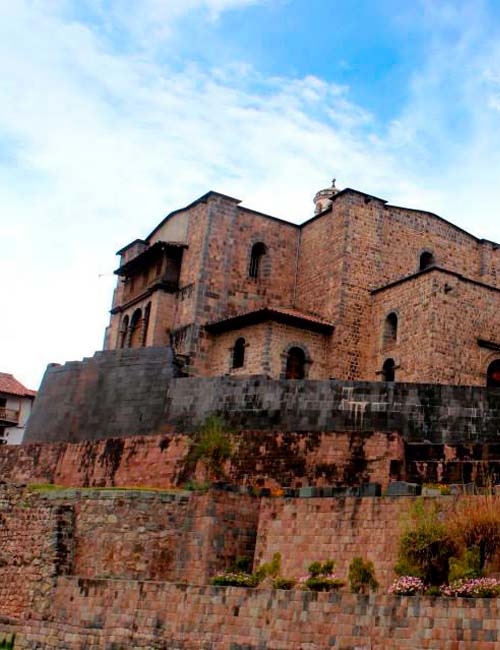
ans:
x=9 y=415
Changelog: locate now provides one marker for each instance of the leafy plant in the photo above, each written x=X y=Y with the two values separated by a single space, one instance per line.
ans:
x=196 y=486
x=466 y=566
x=361 y=576
x=241 y=576
x=243 y=564
x=7 y=644
x=426 y=546
x=270 y=569
x=433 y=590
x=321 y=577
x=284 y=583
x=211 y=444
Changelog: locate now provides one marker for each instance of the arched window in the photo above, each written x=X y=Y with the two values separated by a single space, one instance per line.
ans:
x=239 y=353
x=389 y=370
x=295 y=364
x=493 y=374
x=258 y=251
x=426 y=260
x=122 y=336
x=135 y=329
x=390 y=328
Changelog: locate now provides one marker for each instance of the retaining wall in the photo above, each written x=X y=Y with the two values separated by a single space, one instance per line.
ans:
x=110 y=615
x=119 y=393
x=261 y=458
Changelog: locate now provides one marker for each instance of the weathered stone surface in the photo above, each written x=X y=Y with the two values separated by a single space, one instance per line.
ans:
x=112 y=614
x=109 y=396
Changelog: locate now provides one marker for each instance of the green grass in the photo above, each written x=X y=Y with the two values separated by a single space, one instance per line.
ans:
x=51 y=487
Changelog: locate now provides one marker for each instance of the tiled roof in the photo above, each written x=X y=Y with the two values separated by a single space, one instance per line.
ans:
x=288 y=315
x=10 y=385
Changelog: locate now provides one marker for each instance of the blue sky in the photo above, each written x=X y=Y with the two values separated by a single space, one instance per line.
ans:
x=114 y=113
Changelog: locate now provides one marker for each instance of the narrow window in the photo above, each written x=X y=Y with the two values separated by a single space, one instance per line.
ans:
x=493 y=374
x=135 y=330
x=258 y=251
x=389 y=370
x=295 y=364
x=390 y=329
x=426 y=260
x=239 y=353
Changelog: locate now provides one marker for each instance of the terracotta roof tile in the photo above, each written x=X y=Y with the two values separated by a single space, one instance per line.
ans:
x=285 y=314
x=10 y=385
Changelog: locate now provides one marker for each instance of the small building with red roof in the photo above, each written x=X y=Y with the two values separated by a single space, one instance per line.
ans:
x=16 y=402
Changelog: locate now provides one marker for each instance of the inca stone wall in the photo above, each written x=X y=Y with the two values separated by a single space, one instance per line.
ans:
x=134 y=392
x=258 y=458
x=113 y=393
x=99 y=567
x=36 y=545
x=116 y=614
x=180 y=536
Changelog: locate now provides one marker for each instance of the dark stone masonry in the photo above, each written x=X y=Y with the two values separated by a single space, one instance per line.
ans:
x=128 y=392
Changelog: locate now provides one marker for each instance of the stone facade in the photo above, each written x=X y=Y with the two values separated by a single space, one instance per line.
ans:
x=215 y=272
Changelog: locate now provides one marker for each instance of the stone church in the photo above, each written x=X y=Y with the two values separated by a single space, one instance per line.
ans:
x=362 y=290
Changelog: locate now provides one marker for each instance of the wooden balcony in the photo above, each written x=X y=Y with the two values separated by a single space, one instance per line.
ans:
x=8 y=416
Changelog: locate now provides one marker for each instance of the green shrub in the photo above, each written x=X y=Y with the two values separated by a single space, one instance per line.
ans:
x=321 y=577
x=426 y=547
x=7 y=643
x=243 y=565
x=211 y=444
x=466 y=566
x=321 y=569
x=361 y=576
x=196 y=486
x=434 y=590
x=323 y=583
x=284 y=583
x=270 y=569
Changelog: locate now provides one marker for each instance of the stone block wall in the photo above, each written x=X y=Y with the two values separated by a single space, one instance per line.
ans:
x=223 y=285
x=221 y=351
x=109 y=614
x=341 y=528
x=266 y=345
x=439 y=340
x=114 y=393
x=36 y=542
x=122 y=393
x=259 y=458
x=419 y=412
x=56 y=547
x=181 y=537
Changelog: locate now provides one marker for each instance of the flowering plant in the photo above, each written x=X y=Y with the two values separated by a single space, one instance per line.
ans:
x=473 y=588
x=235 y=579
x=406 y=586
